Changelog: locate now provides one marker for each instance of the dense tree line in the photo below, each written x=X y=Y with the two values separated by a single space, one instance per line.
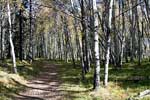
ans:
x=93 y=32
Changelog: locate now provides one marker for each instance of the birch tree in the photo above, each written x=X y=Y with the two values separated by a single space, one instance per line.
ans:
x=96 y=48
x=10 y=38
x=108 y=43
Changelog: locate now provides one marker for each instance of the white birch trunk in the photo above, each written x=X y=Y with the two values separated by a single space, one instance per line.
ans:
x=96 y=49
x=108 y=45
x=10 y=38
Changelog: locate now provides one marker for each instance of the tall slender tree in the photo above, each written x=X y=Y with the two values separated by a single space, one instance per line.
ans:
x=108 y=43
x=10 y=38
x=96 y=47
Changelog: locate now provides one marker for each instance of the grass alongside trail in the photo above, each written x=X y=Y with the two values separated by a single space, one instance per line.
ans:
x=11 y=83
x=121 y=86
x=122 y=83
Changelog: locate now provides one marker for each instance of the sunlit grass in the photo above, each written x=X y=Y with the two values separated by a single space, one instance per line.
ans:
x=120 y=86
x=13 y=83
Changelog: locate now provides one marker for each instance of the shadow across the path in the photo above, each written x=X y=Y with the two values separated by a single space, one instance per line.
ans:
x=44 y=86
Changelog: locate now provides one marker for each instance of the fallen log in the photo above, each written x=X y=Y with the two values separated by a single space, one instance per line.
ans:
x=144 y=93
x=141 y=95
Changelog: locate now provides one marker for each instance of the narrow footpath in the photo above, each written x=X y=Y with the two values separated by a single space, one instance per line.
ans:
x=43 y=87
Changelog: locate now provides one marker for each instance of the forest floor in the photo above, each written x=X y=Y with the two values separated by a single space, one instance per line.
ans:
x=57 y=80
x=45 y=86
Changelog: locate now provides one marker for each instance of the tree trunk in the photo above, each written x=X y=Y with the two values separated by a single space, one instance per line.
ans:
x=108 y=44
x=20 y=42
x=96 y=48
x=1 y=32
x=31 y=38
x=10 y=38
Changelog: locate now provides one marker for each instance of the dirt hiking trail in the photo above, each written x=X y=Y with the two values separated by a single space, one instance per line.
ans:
x=43 y=87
